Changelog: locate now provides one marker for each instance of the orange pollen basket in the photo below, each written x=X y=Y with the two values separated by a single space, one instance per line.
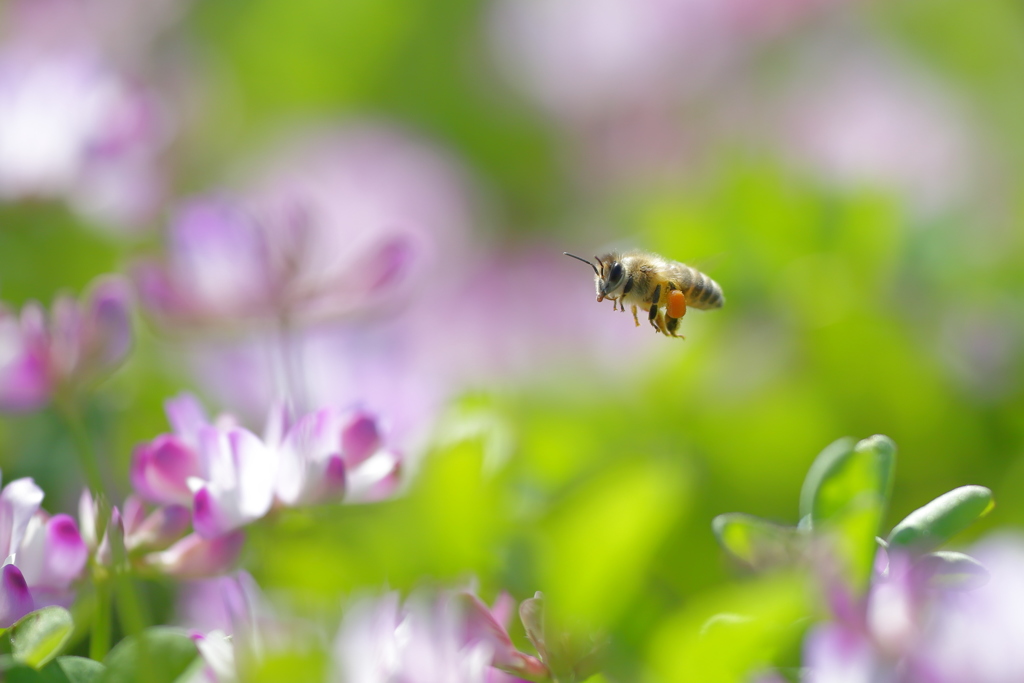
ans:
x=676 y=304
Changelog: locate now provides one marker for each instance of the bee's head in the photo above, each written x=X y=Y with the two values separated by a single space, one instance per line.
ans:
x=609 y=274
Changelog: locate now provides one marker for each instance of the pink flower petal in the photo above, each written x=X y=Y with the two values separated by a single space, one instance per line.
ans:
x=257 y=469
x=15 y=599
x=162 y=527
x=377 y=478
x=360 y=439
x=330 y=484
x=481 y=626
x=87 y=518
x=211 y=516
x=134 y=514
x=195 y=557
x=187 y=417
x=65 y=553
x=160 y=470
x=19 y=501
x=104 y=553
x=24 y=370
x=110 y=322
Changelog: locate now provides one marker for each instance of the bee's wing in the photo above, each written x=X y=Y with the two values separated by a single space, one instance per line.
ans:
x=709 y=262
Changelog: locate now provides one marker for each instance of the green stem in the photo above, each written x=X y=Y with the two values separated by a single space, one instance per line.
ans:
x=83 y=446
x=116 y=585
x=133 y=620
x=99 y=641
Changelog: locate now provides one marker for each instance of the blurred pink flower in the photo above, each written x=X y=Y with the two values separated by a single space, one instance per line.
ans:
x=872 y=121
x=332 y=454
x=76 y=123
x=449 y=637
x=223 y=471
x=230 y=604
x=354 y=221
x=196 y=557
x=581 y=58
x=912 y=624
x=141 y=531
x=44 y=554
x=230 y=477
x=234 y=623
x=121 y=30
x=81 y=342
x=976 y=637
x=73 y=128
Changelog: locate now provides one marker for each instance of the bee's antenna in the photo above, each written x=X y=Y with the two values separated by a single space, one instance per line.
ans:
x=585 y=261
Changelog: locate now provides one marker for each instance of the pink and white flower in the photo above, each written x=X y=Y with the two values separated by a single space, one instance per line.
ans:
x=230 y=477
x=44 y=554
x=79 y=343
x=451 y=636
x=342 y=221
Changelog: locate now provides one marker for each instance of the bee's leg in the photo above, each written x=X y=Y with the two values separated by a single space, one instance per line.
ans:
x=635 y=319
x=653 y=312
x=615 y=304
x=661 y=324
x=672 y=324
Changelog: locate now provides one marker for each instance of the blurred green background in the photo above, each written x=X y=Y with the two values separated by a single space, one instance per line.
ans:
x=849 y=313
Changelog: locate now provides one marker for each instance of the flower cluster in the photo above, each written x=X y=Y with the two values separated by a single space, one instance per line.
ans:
x=346 y=220
x=431 y=636
x=77 y=344
x=227 y=477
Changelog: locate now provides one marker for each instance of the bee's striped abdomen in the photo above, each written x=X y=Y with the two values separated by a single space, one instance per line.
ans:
x=700 y=290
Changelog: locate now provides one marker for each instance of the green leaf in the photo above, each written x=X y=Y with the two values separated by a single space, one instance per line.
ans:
x=38 y=637
x=827 y=462
x=159 y=655
x=845 y=496
x=722 y=637
x=77 y=669
x=60 y=670
x=21 y=673
x=755 y=541
x=951 y=570
x=844 y=471
x=602 y=538
x=930 y=526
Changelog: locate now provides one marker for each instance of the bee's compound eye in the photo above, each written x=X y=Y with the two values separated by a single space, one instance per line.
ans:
x=616 y=273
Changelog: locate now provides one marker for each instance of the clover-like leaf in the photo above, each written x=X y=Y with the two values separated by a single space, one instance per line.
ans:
x=59 y=670
x=845 y=470
x=844 y=498
x=38 y=636
x=950 y=570
x=822 y=469
x=164 y=652
x=928 y=527
x=22 y=673
x=755 y=541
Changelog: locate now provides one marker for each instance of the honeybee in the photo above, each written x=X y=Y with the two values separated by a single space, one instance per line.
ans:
x=664 y=288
